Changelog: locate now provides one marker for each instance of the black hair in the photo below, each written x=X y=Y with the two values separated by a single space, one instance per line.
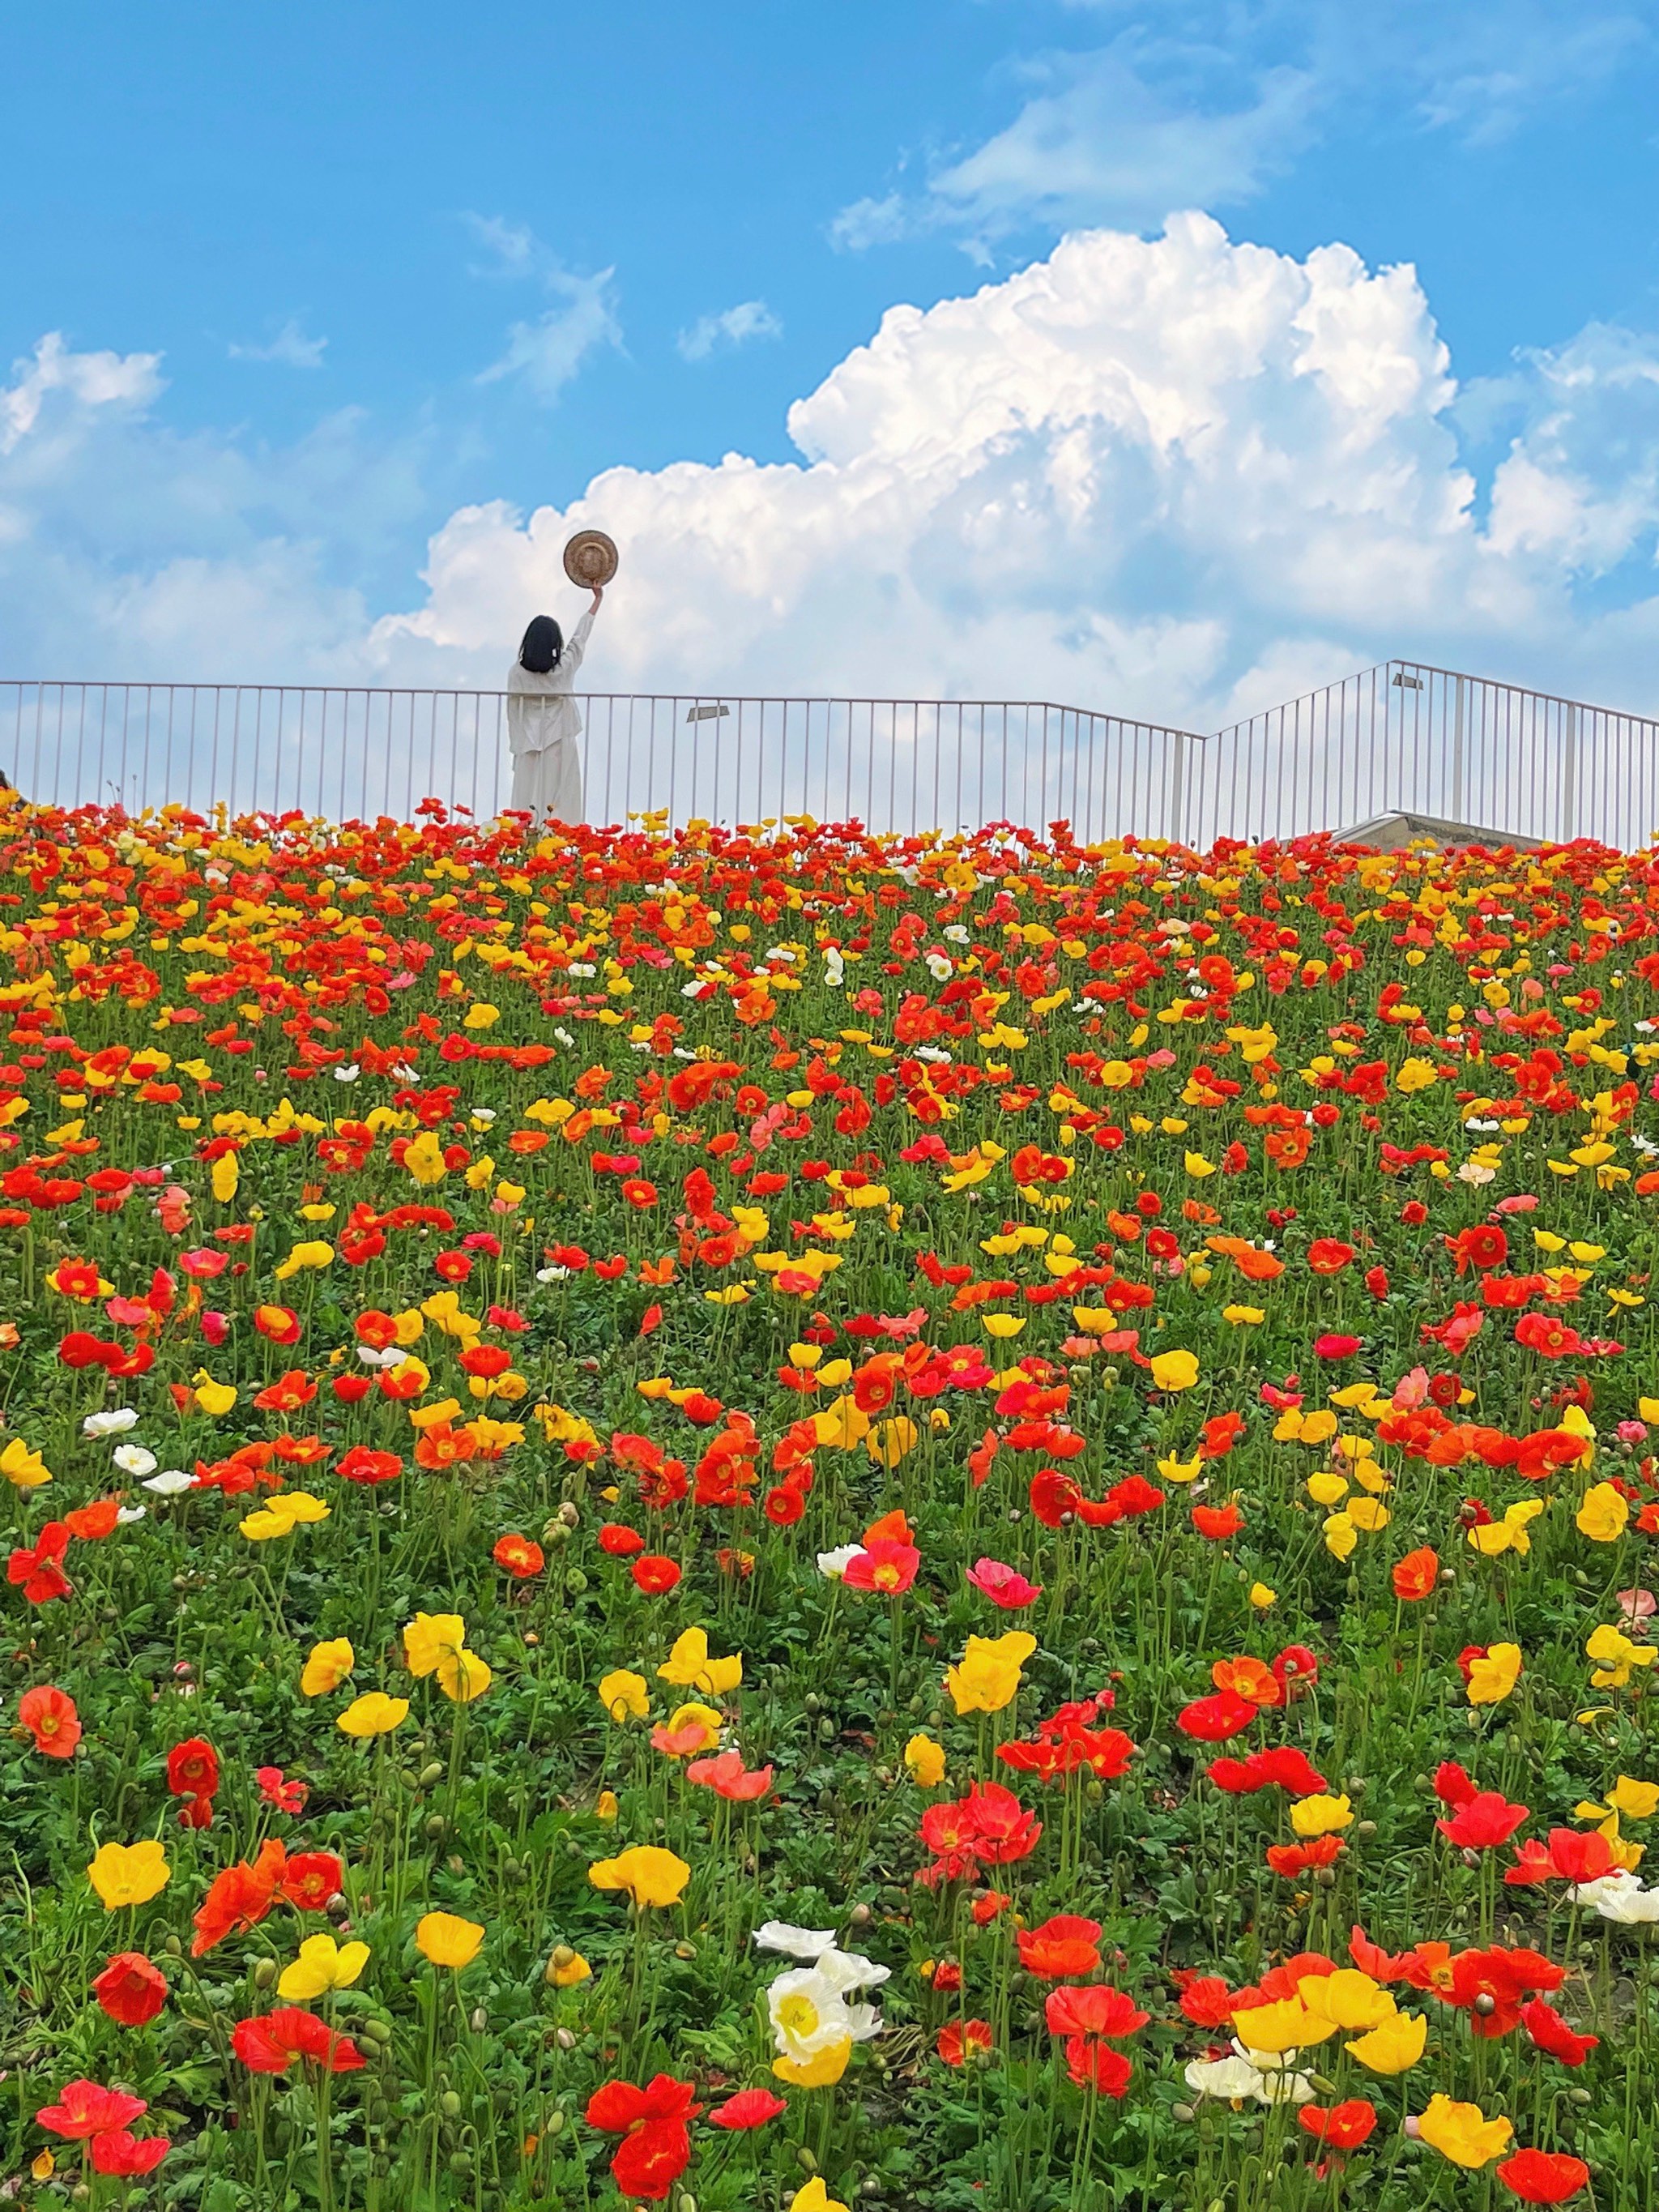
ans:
x=543 y=642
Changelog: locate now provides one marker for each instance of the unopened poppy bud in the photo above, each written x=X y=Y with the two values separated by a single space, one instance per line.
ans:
x=1471 y=1858
x=450 y=2105
x=685 y=1950
x=685 y=2202
x=1325 y=1877
x=555 y=1535
x=338 y=1906
x=565 y=2039
x=265 y=1973
x=480 y=2020
x=1580 y=2096
x=575 y=1582
x=1184 y=2113
x=1366 y=1828
x=554 y=2125
x=1485 y=2004
x=859 y=1915
x=805 y=2161
x=433 y=1771
x=569 y=1514
x=435 y=1826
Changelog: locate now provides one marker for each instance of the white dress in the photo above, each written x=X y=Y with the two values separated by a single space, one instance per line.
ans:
x=543 y=725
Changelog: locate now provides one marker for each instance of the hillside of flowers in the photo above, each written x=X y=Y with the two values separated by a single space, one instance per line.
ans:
x=771 y=1519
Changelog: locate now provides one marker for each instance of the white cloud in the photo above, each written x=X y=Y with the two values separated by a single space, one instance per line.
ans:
x=736 y=326
x=545 y=354
x=290 y=347
x=1094 y=143
x=1226 y=94
x=1175 y=478
x=88 y=380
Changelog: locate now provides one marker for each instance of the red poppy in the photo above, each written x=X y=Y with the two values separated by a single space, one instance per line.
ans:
x=84 y=2110
x=728 y=1778
x=193 y=1768
x=655 y=1575
x=1344 y=2127
x=1217 y=1718
x=1486 y=1820
x=1567 y=1857
x=1217 y=1522
x=1329 y=1255
x=749 y=2108
x=1281 y=1767
x=1551 y=2032
x=1543 y=2177
x=239 y=1897
x=280 y=1795
x=656 y=2139
x=119 y=2151
x=272 y=2043
x=1335 y=1346
x=37 y=1567
x=50 y=1717
x=621 y=1541
x=959 y=2038
x=1481 y=1246
x=1415 y=1576
x=368 y=1467
x=131 y=1990
x=310 y=1878
x=90 y=1524
x=885 y=1566
x=518 y=1557
x=1067 y=1946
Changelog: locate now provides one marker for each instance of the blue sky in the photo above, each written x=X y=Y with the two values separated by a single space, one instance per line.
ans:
x=393 y=262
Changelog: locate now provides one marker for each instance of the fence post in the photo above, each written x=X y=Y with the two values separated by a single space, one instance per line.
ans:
x=1568 y=773
x=1177 y=817
x=1458 y=689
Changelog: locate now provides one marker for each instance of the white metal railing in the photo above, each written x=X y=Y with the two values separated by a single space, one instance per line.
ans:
x=1402 y=736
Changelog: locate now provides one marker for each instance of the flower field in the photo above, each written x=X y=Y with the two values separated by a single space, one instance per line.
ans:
x=766 y=1520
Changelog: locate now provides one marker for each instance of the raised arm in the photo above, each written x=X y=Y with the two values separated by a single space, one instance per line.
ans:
x=572 y=656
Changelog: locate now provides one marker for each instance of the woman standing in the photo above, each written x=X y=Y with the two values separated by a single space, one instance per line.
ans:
x=543 y=721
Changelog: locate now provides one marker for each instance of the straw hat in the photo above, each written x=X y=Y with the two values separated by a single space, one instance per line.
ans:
x=589 y=558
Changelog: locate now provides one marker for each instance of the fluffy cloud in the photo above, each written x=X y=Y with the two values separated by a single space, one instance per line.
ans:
x=1177 y=477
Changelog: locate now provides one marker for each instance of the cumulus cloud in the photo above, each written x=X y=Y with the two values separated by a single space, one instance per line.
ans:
x=1176 y=477
x=735 y=326
x=290 y=347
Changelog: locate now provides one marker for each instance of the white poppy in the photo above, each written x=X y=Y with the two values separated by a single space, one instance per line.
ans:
x=113 y=1423
x=834 y=1564
x=172 y=1482
x=128 y=1514
x=133 y=1459
x=347 y=1072
x=795 y=1942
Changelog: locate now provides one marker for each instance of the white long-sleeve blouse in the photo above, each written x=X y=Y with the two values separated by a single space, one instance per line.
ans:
x=540 y=709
